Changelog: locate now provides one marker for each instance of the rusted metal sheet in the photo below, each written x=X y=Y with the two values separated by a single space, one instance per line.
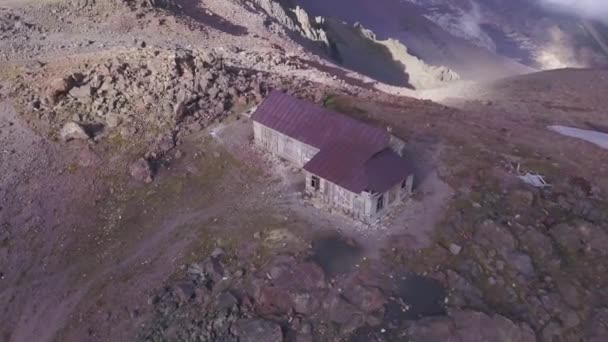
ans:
x=353 y=155
x=360 y=170
x=385 y=169
x=340 y=164
x=315 y=125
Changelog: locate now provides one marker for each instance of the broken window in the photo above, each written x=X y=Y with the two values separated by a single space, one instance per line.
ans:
x=380 y=204
x=315 y=182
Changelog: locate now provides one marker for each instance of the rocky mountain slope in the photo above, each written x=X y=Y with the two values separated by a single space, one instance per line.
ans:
x=357 y=48
x=532 y=34
x=134 y=206
x=477 y=39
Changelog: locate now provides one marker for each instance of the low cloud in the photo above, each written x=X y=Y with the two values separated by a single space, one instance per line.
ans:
x=591 y=9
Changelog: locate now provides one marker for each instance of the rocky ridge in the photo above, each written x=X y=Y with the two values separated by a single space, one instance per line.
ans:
x=13 y=25
x=344 y=42
x=151 y=97
x=158 y=87
x=292 y=299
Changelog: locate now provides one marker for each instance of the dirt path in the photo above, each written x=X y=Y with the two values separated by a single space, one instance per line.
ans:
x=83 y=263
x=29 y=215
x=51 y=258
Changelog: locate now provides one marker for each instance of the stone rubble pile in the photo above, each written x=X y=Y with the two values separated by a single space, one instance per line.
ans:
x=155 y=88
x=291 y=298
x=13 y=25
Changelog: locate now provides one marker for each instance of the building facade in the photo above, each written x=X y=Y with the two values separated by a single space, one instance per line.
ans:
x=364 y=206
x=349 y=165
x=288 y=148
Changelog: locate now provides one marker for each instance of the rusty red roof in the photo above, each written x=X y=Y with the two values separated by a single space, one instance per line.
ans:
x=313 y=124
x=385 y=169
x=359 y=170
x=353 y=154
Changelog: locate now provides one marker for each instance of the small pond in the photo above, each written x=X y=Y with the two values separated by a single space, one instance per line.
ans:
x=335 y=254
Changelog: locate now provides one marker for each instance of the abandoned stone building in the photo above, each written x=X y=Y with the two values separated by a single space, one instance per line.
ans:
x=349 y=165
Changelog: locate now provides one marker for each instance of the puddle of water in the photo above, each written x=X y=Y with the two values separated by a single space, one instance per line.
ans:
x=335 y=254
x=417 y=297
x=594 y=137
x=414 y=297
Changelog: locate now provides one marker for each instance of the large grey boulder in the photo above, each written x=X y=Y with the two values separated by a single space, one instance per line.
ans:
x=256 y=330
x=82 y=93
x=73 y=131
x=469 y=326
x=59 y=87
x=141 y=170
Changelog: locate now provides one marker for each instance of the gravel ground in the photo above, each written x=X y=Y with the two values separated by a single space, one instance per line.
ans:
x=85 y=249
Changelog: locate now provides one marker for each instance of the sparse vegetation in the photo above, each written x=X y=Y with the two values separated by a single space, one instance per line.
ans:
x=153 y=217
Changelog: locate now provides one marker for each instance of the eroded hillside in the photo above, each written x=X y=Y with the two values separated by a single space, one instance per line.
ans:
x=134 y=205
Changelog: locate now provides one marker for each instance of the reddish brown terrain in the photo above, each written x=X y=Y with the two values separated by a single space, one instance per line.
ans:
x=135 y=207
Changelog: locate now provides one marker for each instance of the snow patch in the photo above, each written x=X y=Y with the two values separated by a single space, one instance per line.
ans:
x=594 y=137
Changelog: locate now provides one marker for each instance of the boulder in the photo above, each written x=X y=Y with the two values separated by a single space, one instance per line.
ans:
x=581 y=238
x=455 y=249
x=113 y=120
x=180 y=110
x=184 y=291
x=367 y=299
x=141 y=170
x=217 y=252
x=305 y=303
x=226 y=301
x=161 y=146
x=87 y=157
x=295 y=286
x=463 y=292
x=256 y=330
x=521 y=263
x=214 y=269
x=82 y=93
x=305 y=276
x=196 y=271
x=470 y=326
x=73 y=131
x=208 y=58
x=59 y=87
x=540 y=247
x=345 y=314
x=495 y=237
x=597 y=329
x=275 y=301
x=521 y=198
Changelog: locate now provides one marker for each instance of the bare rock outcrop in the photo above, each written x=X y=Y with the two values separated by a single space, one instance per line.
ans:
x=73 y=131
x=296 y=20
x=141 y=170
x=58 y=88
x=358 y=48
x=13 y=25
x=253 y=330
x=152 y=90
x=130 y=4
x=420 y=74
x=470 y=326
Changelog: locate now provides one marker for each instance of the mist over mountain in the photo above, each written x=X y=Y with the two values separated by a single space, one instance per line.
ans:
x=483 y=39
x=593 y=9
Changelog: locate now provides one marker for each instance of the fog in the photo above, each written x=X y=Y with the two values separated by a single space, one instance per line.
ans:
x=593 y=9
